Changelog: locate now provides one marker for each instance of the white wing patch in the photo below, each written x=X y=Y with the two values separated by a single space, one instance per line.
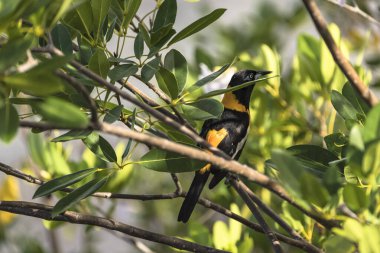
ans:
x=240 y=145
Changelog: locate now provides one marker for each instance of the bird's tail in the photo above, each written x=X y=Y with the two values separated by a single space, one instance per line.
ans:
x=192 y=196
x=218 y=176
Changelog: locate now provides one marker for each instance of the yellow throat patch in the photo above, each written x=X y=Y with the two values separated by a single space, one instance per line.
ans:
x=230 y=102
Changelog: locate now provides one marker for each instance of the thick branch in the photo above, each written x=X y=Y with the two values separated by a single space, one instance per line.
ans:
x=44 y=212
x=338 y=56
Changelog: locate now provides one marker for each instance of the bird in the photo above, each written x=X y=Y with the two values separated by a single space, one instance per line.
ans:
x=228 y=133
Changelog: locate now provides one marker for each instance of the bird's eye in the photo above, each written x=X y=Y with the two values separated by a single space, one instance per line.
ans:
x=251 y=76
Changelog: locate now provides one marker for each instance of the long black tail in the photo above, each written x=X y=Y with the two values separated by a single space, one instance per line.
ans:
x=192 y=196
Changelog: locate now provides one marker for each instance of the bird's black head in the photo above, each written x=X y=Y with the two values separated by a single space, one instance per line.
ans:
x=243 y=95
x=247 y=76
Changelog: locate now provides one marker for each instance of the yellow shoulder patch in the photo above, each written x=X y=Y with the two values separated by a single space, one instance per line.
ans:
x=230 y=102
x=214 y=137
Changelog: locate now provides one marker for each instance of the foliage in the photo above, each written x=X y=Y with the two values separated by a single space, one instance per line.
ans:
x=310 y=129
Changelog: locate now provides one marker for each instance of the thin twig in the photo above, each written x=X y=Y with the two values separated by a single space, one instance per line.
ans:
x=270 y=212
x=147 y=197
x=44 y=212
x=81 y=89
x=146 y=99
x=355 y=10
x=176 y=183
x=159 y=93
x=256 y=213
x=338 y=56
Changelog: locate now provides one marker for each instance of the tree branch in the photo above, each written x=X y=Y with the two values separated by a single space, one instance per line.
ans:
x=44 y=212
x=338 y=56
x=355 y=10
x=81 y=89
x=256 y=213
x=269 y=211
x=146 y=197
x=230 y=165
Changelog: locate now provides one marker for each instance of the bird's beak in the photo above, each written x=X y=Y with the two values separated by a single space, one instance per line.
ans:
x=261 y=73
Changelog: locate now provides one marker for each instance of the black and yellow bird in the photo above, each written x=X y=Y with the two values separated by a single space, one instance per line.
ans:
x=228 y=133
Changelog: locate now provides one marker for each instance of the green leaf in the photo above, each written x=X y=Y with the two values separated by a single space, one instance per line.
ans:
x=164 y=20
x=62 y=182
x=165 y=161
x=110 y=30
x=13 y=52
x=122 y=71
x=145 y=34
x=197 y=25
x=221 y=235
x=99 y=63
x=62 y=39
x=298 y=180
x=31 y=83
x=77 y=195
x=155 y=48
x=167 y=82
x=199 y=233
x=335 y=142
x=107 y=150
x=350 y=177
x=343 y=106
x=128 y=147
x=86 y=19
x=100 y=147
x=61 y=113
x=72 y=135
x=246 y=245
x=139 y=45
x=9 y=122
x=176 y=63
x=150 y=69
x=355 y=99
x=371 y=160
x=99 y=13
x=203 y=109
x=289 y=170
x=130 y=11
x=313 y=191
x=314 y=153
x=355 y=197
x=114 y=114
x=209 y=78
x=372 y=125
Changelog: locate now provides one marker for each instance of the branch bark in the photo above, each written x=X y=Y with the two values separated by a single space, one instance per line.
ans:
x=338 y=56
x=230 y=165
x=256 y=213
x=177 y=194
x=44 y=212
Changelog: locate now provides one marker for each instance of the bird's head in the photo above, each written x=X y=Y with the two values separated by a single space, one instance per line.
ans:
x=247 y=76
x=239 y=99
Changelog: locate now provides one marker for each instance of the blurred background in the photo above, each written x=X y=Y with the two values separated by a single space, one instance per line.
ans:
x=262 y=34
